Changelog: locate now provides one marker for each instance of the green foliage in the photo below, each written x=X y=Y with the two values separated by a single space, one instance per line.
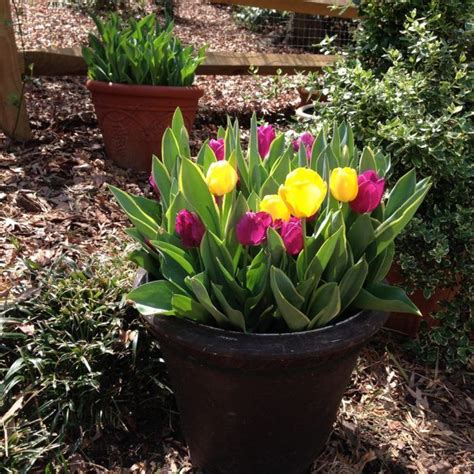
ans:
x=71 y=360
x=406 y=88
x=261 y=288
x=140 y=52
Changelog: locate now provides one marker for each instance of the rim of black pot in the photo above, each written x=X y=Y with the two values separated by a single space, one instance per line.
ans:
x=342 y=335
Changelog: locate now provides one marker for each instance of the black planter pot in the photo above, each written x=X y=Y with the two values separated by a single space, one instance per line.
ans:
x=259 y=403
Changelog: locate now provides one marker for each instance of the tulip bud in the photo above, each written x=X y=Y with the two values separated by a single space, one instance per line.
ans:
x=265 y=136
x=275 y=206
x=252 y=228
x=303 y=192
x=370 y=193
x=217 y=146
x=154 y=186
x=306 y=140
x=221 y=178
x=292 y=235
x=189 y=228
x=343 y=184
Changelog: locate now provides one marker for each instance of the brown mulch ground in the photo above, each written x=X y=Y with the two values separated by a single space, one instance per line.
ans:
x=396 y=417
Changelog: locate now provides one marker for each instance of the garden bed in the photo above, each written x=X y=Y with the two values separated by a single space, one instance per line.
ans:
x=397 y=416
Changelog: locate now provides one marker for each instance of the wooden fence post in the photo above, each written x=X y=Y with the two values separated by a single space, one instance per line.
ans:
x=13 y=117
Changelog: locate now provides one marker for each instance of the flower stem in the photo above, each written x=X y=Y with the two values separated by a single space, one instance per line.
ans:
x=305 y=250
x=246 y=260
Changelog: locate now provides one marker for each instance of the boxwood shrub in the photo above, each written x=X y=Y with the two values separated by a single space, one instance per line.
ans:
x=406 y=87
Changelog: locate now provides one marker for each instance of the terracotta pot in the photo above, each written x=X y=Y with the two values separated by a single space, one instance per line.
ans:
x=308 y=96
x=259 y=403
x=134 y=118
x=409 y=324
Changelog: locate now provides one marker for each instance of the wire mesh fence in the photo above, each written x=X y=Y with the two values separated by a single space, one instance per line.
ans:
x=296 y=30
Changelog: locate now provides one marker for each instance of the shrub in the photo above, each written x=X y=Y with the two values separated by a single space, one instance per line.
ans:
x=71 y=360
x=140 y=52
x=406 y=88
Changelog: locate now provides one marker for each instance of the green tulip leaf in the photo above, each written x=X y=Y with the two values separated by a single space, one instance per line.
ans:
x=162 y=179
x=389 y=229
x=281 y=285
x=206 y=157
x=170 y=153
x=145 y=260
x=401 y=192
x=196 y=285
x=155 y=297
x=180 y=132
x=325 y=305
x=323 y=256
x=381 y=297
x=235 y=316
x=276 y=152
x=185 y=307
x=275 y=246
x=192 y=184
x=367 y=160
x=132 y=205
x=380 y=266
x=352 y=282
x=361 y=235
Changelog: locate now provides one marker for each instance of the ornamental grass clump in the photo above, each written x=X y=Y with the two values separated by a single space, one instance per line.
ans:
x=269 y=239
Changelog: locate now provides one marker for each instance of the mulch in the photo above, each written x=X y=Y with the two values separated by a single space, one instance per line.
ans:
x=397 y=416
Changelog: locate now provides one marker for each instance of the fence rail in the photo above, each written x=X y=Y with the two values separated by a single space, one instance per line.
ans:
x=335 y=8
x=69 y=62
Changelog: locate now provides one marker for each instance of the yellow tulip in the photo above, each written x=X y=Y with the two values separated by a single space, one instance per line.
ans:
x=343 y=184
x=303 y=192
x=221 y=178
x=274 y=205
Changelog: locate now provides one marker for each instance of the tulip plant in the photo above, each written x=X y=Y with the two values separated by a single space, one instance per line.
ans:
x=280 y=237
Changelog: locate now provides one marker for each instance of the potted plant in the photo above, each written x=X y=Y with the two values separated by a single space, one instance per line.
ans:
x=310 y=88
x=264 y=278
x=139 y=72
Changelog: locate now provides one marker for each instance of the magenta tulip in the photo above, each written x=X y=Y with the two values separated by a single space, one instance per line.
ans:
x=265 y=135
x=292 y=234
x=306 y=140
x=252 y=228
x=154 y=186
x=217 y=147
x=189 y=228
x=370 y=192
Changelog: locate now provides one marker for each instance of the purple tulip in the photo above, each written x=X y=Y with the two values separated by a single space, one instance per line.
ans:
x=265 y=135
x=217 y=147
x=154 y=186
x=307 y=140
x=370 y=193
x=292 y=234
x=252 y=228
x=189 y=228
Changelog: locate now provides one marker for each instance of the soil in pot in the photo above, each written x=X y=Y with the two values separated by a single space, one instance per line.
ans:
x=259 y=403
x=133 y=118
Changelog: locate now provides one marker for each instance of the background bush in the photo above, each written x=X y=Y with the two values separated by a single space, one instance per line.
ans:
x=75 y=366
x=406 y=87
